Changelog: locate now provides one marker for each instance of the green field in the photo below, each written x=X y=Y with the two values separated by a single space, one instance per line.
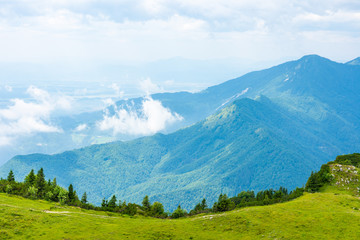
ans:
x=332 y=213
x=325 y=215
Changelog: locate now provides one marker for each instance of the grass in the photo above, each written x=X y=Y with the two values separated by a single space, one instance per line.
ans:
x=325 y=215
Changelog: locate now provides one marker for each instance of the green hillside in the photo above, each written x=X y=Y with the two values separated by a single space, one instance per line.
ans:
x=325 y=215
x=331 y=213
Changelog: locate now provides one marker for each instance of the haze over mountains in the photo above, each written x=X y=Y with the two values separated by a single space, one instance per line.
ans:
x=268 y=128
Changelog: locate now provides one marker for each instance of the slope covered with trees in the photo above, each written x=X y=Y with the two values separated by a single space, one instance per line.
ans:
x=249 y=145
x=36 y=187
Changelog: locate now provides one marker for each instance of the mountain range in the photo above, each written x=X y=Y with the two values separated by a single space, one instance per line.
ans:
x=268 y=128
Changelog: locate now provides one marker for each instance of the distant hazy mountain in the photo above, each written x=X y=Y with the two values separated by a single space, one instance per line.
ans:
x=312 y=85
x=302 y=114
x=356 y=61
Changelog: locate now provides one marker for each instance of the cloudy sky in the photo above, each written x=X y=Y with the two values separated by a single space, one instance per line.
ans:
x=147 y=30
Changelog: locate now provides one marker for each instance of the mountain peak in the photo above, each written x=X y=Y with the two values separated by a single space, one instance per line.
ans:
x=355 y=61
x=312 y=57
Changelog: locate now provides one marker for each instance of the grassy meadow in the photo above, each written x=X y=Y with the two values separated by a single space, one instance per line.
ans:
x=325 y=215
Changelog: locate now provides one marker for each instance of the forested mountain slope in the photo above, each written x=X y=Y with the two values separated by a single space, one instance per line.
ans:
x=251 y=144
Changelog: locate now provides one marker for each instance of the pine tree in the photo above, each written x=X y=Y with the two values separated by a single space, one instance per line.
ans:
x=197 y=208
x=30 y=178
x=84 y=198
x=313 y=185
x=223 y=204
x=54 y=184
x=71 y=194
x=203 y=204
x=266 y=200
x=178 y=213
x=11 y=177
x=104 y=203
x=112 y=202
x=146 y=203
x=40 y=183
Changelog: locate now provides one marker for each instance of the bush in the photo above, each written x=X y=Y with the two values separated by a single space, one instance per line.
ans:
x=318 y=179
x=223 y=204
x=178 y=213
x=157 y=209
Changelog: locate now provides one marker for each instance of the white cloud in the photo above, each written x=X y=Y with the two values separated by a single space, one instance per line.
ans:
x=117 y=90
x=41 y=144
x=148 y=87
x=33 y=116
x=147 y=30
x=151 y=118
x=108 y=102
x=8 y=88
x=154 y=6
x=5 y=140
x=169 y=82
x=81 y=127
x=330 y=20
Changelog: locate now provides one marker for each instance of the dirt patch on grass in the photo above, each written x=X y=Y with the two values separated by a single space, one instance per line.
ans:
x=55 y=212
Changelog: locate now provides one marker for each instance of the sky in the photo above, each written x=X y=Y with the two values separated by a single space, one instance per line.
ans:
x=60 y=57
x=130 y=31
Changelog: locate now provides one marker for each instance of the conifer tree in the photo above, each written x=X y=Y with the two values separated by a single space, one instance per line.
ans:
x=266 y=200
x=178 y=212
x=203 y=204
x=30 y=178
x=112 y=202
x=312 y=185
x=11 y=177
x=84 y=198
x=53 y=184
x=104 y=203
x=40 y=183
x=71 y=194
x=223 y=204
x=146 y=203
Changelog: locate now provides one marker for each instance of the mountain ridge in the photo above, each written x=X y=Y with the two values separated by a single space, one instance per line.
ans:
x=194 y=162
x=285 y=120
x=355 y=61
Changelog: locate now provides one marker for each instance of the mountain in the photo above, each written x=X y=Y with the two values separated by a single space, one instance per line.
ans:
x=356 y=61
x=313 y=87
x=268 y=128
x=306 y=85
x=251 y=144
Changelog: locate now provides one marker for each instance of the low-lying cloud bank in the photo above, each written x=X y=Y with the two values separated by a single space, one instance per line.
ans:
x=151 y=118
x=25 y=117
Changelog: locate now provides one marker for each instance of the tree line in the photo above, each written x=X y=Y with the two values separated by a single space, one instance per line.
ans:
x=35 y=186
